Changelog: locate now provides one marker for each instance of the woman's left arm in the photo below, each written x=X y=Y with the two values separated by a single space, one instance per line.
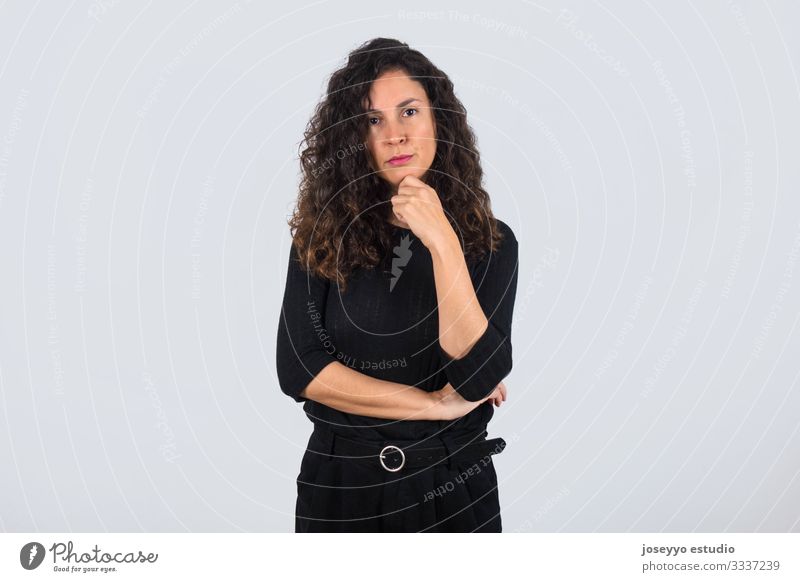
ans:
x=461 y=317
x=474 y=315
x=475 y=326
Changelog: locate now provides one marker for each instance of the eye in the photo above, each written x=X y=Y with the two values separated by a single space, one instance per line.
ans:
x=369 y=120
x=409 y=109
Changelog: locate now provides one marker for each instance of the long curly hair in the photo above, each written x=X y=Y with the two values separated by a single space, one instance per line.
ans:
x=340 y=221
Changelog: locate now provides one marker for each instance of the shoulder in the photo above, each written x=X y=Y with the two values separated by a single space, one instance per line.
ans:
x=505 y=230
x=508 y=245
x=503 y=258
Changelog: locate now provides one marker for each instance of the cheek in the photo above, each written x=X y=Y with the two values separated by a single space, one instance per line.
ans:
x=429 y=143
x=371 y=150
x=430 y=138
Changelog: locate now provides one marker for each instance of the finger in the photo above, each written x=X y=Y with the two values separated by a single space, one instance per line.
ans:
x=412 y=190
x=410 y=179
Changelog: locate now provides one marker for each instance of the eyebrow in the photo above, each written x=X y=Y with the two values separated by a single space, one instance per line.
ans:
x=402 y=104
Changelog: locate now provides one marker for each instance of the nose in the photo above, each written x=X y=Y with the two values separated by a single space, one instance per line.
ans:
x=395 y=133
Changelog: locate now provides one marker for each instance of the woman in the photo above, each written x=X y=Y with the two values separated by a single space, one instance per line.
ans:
x=395 y=328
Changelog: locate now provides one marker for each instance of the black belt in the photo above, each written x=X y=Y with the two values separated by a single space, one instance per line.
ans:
x=392 y=456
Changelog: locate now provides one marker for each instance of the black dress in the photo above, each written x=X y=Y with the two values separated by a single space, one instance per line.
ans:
x=386 y=326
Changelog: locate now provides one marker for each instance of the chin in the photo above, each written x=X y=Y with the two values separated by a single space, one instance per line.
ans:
x=394 y=177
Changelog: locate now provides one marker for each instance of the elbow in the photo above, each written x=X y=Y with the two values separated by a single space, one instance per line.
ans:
x=297 y=364
x=493 y=372
x=292 y=385
x=477 y=374
x=294 y=376
x=501 y=364
x=297 y=381
x=506 y=361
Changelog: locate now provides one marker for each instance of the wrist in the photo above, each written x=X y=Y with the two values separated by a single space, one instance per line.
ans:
x=445 y=246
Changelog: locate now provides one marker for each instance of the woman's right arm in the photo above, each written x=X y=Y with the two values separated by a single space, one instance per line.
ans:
x=345 y=389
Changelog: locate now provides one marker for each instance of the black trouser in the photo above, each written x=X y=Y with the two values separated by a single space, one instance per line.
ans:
x=357 y=493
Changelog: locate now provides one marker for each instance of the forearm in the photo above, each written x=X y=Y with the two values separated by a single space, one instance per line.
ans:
x=461 y=318
x=350 y=391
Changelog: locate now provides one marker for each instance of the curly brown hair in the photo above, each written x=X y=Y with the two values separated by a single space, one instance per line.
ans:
x=340 y=222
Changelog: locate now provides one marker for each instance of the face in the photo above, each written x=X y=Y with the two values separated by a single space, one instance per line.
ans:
x=401 y=123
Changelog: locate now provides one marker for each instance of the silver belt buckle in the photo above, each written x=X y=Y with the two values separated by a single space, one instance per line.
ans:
x=382 y=455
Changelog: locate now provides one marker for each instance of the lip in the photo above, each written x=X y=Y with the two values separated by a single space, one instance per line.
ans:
x=400 y=160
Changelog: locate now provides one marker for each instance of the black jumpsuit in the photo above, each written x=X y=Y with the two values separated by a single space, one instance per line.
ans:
x=386 y=326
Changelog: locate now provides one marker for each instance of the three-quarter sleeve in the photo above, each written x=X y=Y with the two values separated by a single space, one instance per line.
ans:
x=301 y=346
x=476 y=374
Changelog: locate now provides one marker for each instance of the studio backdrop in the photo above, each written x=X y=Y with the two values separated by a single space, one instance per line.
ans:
x=644 y=153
